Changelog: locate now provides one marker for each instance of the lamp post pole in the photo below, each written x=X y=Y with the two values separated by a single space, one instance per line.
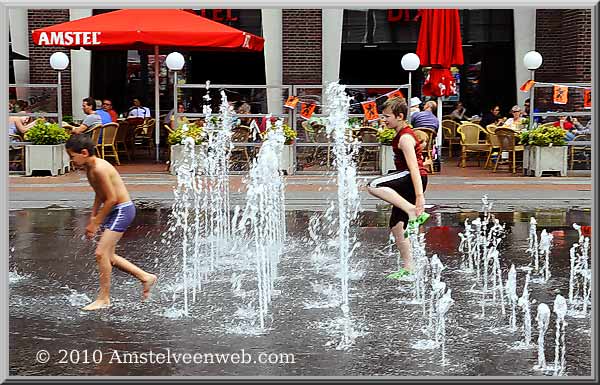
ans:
x=409 y=95
x=59 y=61
x=410 y=62
x=532 y=60
x=59 y=99
x=531 y=93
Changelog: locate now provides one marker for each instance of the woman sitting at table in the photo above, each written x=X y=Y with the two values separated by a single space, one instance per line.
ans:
x=459 y=113
x=491 y=117
x=515 y=122
x=181 y=120
x=17 y=125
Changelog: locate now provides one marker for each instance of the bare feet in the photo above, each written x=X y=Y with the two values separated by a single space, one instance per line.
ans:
x=147 y=285
x=97 y=304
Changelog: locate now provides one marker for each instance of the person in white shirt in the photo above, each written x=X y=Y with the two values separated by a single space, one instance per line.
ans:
x=515 y=121
x=137 y=111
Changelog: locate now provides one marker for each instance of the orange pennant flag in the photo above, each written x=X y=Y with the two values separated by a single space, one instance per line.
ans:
x=527 y=85
x=395 y=94
x=560 y=95
x=587 y=98
x=306 y=110
x=370 y=109
x=291 y=102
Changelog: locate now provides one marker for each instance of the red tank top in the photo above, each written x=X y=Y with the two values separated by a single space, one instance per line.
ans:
x=399 y=159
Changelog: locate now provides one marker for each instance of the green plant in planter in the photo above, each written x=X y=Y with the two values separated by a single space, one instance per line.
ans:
x=46 y=133
x=193 y=131
x=386 y=136
x=544 y=135
x=355 y=121
x=288 y=132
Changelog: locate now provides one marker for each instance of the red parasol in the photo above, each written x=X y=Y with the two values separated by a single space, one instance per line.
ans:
x=440 y=46
x=147 y=29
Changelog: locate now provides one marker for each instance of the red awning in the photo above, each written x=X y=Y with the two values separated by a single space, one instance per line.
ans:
x=145 y=29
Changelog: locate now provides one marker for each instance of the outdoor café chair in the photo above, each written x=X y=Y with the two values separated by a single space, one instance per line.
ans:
x=109 y=135
x=494 y=147
x=239 y=154
x=368 y=135
x=469 y=142
x=426 y=136
x=585 y=150
x=16 y=158
x=449 y=126
x=506 y=138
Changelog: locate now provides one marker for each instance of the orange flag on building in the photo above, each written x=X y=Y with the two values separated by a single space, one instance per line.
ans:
x=370 y=109
x=307 y=109
x=395 y=94
x=560 y=94
x=525 y=87
x=587 y=98
x=291 y=102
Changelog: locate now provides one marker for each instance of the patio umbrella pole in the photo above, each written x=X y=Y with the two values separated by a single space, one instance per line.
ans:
x=156 y=103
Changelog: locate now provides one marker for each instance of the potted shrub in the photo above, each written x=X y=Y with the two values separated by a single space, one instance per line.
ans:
x=288 y=157
x=176 y=137
x=385 y=137
x=545 y=150
x=47 y=149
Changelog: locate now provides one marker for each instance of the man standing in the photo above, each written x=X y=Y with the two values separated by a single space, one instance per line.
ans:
x=426 y=118
x=108 y=107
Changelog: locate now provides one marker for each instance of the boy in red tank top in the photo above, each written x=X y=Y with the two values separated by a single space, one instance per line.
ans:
x=405 y=187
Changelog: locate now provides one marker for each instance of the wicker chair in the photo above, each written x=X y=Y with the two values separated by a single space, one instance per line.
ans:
x=109 y=139
x=427 y=137
x=469 y=142
x=368 y=135
x=506 y=138
x=16 y=153
x=239 y=154
x=449 y=126
x=585 y=149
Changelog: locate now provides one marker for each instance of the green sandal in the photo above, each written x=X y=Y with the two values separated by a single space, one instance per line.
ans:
x=413 y=224
x=399 y=274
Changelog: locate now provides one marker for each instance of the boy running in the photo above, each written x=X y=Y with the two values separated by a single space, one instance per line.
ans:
x=405 y=188
x=115 y=215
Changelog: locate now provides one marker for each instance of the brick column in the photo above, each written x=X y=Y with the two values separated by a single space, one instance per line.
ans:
x=563 y=37
x=39 y=57
x=302 y=40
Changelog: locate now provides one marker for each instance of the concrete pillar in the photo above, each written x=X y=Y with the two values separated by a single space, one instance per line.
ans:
x=81 y=69
x=19 y=36
x=333 y=20
x=524 y=25
x=273 y=32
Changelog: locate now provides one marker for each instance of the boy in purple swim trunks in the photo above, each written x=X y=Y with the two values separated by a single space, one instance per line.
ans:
x=113 y=212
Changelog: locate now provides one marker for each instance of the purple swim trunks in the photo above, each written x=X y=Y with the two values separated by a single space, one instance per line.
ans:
x=120 y=217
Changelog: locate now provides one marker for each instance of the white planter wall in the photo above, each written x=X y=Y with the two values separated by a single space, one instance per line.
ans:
x=42 y=157
x=537 y=160
x=288 y=160
x=387 y=159
x=177 y=156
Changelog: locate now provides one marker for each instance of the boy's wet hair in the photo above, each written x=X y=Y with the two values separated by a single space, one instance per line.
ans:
x=77 y=143
x=397 y=105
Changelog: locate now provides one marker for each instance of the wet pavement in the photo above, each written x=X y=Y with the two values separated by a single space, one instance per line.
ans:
x=53 y=274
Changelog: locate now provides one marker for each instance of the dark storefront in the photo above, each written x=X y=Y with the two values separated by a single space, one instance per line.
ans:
x=124 y=75
x=374 y=41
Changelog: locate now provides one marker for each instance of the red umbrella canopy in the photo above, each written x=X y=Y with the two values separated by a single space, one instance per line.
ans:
x=146 y=28
x=440 y=46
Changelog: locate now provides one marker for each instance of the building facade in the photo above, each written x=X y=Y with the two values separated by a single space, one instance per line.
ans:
x=356 y=46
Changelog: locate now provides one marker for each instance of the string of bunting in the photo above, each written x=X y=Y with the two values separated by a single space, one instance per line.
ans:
x=307 y=108
x=560 y=93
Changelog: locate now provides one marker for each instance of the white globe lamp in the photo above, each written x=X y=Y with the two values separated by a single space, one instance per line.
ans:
x=59 y=61
x=410 y=62
x=532 y=60
x=175 y=61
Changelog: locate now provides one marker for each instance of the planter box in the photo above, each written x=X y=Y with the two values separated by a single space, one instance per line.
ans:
x=537 y=159
x=387 y=159
x=177 y=156
x=45 y=157
x=288 y=159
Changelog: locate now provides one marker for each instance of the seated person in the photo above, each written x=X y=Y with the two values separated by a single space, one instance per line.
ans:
x=515 y=122
x=491 y=117
x=91 y=121
x=242 y=109
x=137 y=110
x=426 y=118
x=577 y=128
x=459 y=113
x=108 y=107
x=415 y=105
x=17 y=125
x=170 y=118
